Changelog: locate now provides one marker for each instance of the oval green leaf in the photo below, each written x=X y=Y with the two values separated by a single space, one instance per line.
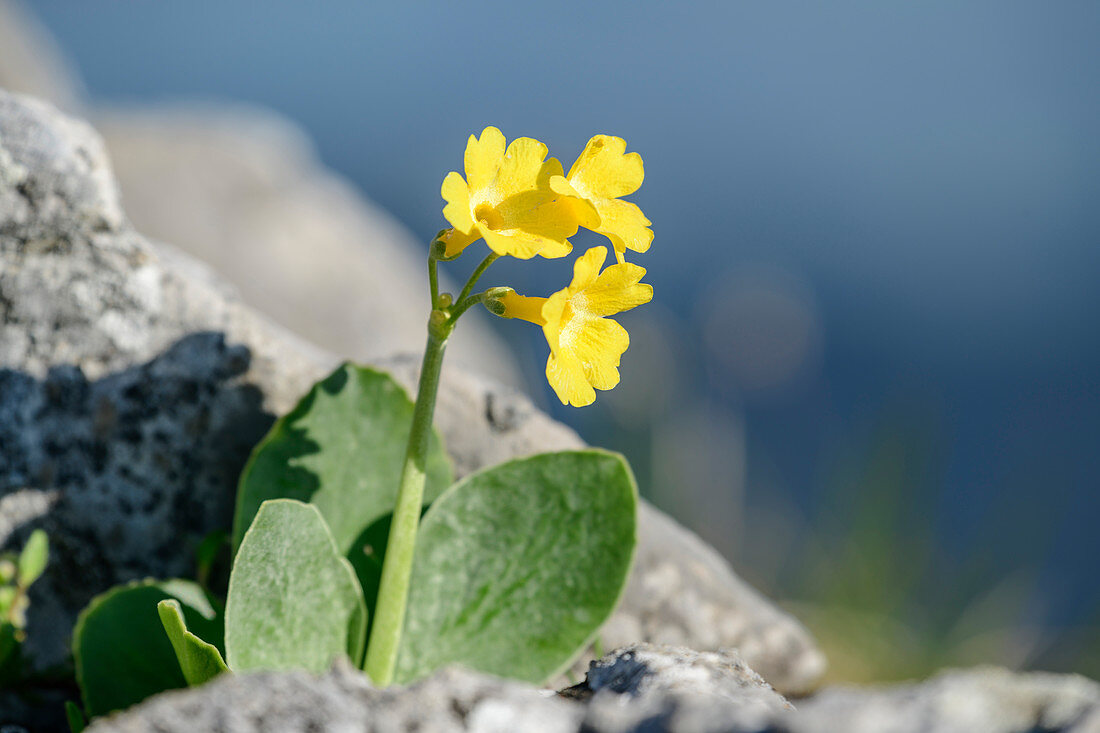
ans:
x=518 y=566
x=294 y=601
x=342 y=449
x=121 y=652
x=200 y=661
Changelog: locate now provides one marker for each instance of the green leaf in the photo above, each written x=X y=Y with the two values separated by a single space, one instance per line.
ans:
x=200 y=661
x=342 y=449
x=518 y=566
x=74 y=717
x=121 y=652
x=33 y=559
x=294 y=601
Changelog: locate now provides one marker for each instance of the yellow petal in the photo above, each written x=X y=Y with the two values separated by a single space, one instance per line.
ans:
x=552 y=312
x=603 y=170
x=587 y=268
x=583 y=210
x=523 y=307
x=483 y=157
x=523 y=165
x=624 y=224
x=457 y=195
x=528 y=224
x=524 y=245
x=567 y=378
x=598 y=344
x=617 y=289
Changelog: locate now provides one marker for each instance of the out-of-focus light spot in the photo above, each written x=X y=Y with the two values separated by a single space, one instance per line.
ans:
x=762 y=331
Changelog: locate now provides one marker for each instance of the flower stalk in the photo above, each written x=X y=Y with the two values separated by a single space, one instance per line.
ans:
x=393 y=588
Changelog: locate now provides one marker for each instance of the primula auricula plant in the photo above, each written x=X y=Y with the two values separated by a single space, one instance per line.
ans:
x=350 y=538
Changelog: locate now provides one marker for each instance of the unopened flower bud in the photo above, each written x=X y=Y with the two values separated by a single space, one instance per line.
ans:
x=492 y=300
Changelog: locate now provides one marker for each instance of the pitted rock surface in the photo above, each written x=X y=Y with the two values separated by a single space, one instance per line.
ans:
x=134 y=383
x=660 y=690
x=985 y=699
x=343 y=700
x=650 y=669
x=130 y=390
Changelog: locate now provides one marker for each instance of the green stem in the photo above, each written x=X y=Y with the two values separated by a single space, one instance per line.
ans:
x=469 y=288
x=393 y=589
x=433 y=279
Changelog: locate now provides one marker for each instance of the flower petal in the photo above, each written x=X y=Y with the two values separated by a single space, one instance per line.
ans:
x=567 y=378
x=457 y=195
x=483 y=157
x=585 y=212
x=604 y=170
x=587 y=268
x=624 y=224
x=598 y=344
x=552 y=311
x=524 y=245
x=618 y=289
x=523 y=166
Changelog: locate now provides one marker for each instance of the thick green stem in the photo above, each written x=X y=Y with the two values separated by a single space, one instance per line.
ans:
x=393 y=589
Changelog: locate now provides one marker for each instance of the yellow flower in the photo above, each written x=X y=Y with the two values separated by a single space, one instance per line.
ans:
x=585 y=345
x=604 y=173
x=506 y=198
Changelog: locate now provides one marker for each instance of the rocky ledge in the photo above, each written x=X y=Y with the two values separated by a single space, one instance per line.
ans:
x=638 y=689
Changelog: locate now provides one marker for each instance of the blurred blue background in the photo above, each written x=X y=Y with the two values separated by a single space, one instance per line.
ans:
x=871 y=373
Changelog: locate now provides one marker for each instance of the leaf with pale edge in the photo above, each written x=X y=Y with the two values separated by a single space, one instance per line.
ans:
x=294 y=601
x=518 y=566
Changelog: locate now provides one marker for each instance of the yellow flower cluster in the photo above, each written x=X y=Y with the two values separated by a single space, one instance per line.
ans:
x=523 y=205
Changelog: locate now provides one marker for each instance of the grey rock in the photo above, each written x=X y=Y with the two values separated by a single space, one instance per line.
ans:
x=981 y=700
x=241 y=189
x=683 y=593
x=343 y=700
x=642 y=689
x=128 y=398
x=649 y=670
x=134 y=383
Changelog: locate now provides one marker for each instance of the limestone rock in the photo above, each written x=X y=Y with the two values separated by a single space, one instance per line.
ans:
x=989 y=700
x=637 y=690
x=648 y=669
x=130 y=388
x=343 y=700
